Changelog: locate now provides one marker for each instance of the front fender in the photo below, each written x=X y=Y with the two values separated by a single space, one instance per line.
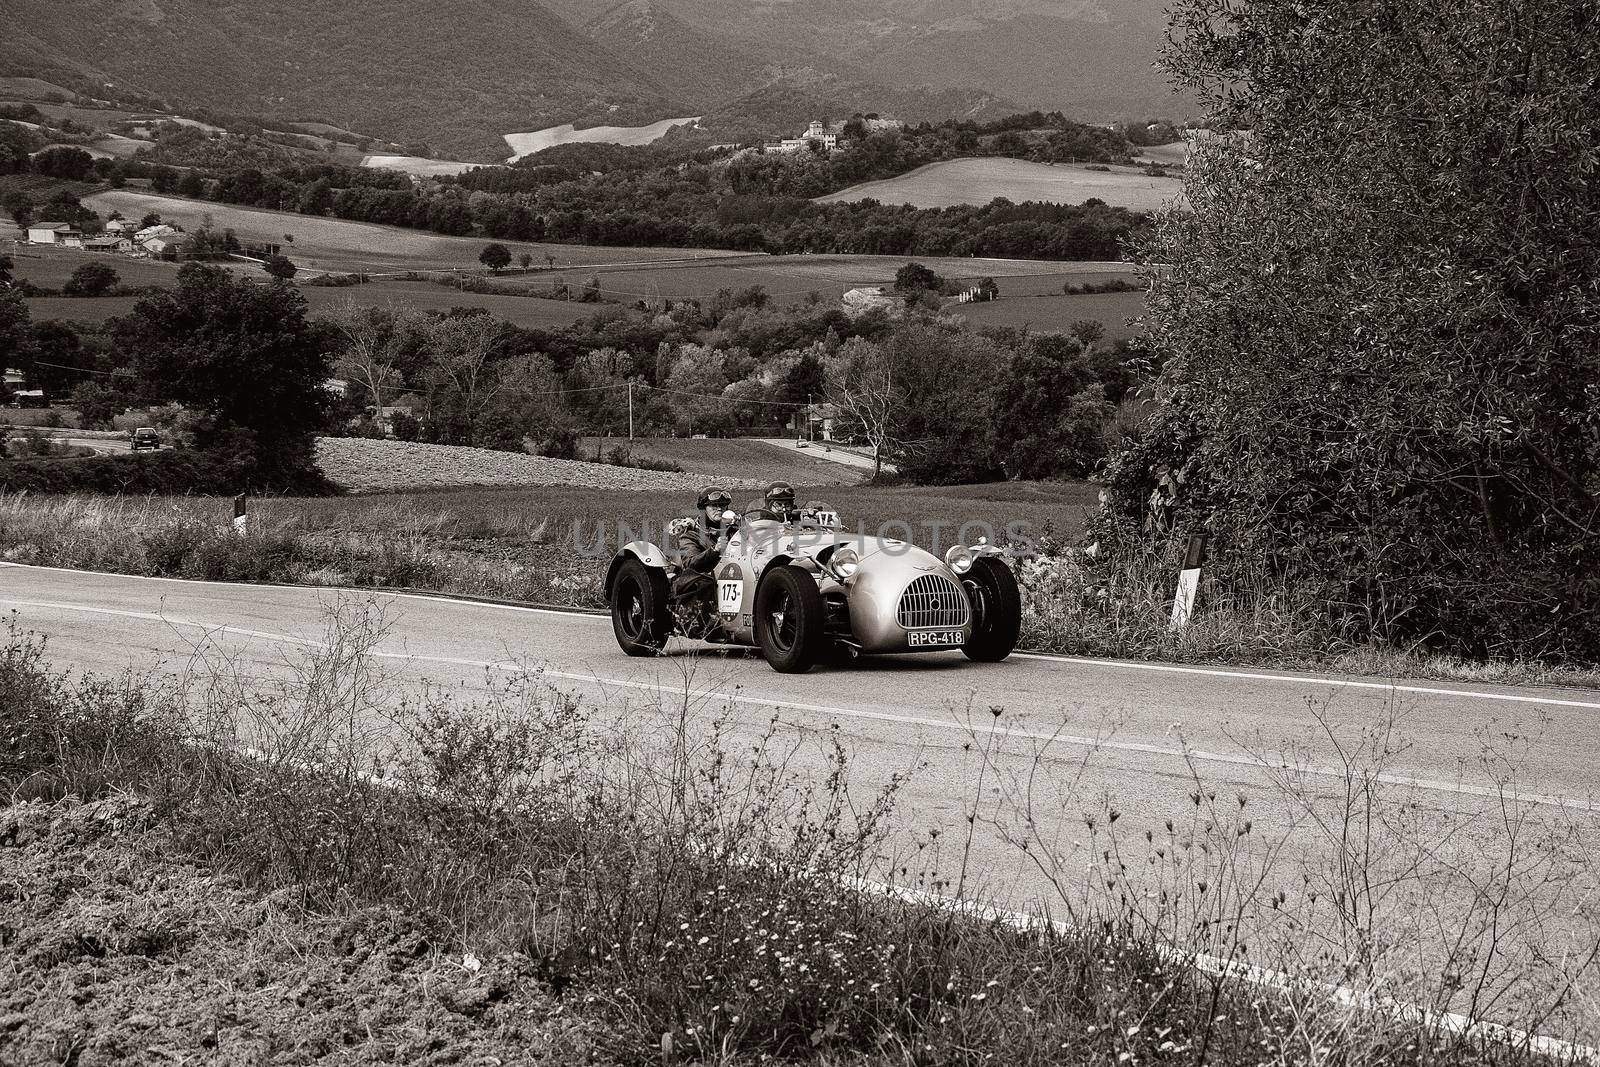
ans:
x=644 y=551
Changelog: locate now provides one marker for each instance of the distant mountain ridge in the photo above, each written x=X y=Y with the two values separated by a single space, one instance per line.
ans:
x=458 y=74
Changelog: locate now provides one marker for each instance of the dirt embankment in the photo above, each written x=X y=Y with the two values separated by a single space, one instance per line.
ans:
x=115 y=951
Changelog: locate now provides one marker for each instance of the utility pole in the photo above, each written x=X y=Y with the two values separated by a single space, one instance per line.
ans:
x=630 y=410
x=809 y=423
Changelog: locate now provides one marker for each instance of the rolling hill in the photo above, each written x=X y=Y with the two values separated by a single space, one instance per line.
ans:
x=459 y=74
x=456 y=73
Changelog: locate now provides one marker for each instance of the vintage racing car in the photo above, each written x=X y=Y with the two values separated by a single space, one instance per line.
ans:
x=802 y=588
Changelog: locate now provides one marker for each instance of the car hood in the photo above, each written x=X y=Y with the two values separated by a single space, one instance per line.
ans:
x=875 y=552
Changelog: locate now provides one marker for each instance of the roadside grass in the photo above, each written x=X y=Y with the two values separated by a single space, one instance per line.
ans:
x=551 y=545
x=678 y=883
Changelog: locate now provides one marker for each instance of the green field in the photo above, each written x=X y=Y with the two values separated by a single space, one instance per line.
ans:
x=340 y=245
x=978 y=181
x=731 y=456
x=1030 y=289
x=793 y=277
x=1175 y=154
x=1058 y=312
x=1056 y=509
x=80 y=308
x=49 y=267
x=526 y=311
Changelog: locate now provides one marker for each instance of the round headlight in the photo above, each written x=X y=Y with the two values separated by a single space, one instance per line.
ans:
x=845 y=562
x=958 y=559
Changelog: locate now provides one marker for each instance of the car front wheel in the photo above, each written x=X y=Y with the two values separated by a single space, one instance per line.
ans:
x=996 y=610
x=791 y=620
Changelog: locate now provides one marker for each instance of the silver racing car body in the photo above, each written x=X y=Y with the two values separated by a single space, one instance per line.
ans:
x=800 y=588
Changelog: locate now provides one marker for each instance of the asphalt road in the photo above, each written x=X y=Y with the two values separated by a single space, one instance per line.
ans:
x=838 y=454
x=1066 y=738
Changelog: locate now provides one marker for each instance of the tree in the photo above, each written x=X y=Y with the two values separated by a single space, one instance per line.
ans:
x=370 y=351
x=151 y=219
x=279 y=267
x=241 y=352
x=525 y=260
x=861 y=385
x=1052 y=408
x=460 y=349
x=1377 y=322
x=91 y=279
x=15 y=328
x=97 y=403
x=914 y=278
x=945 y=428
x=73 y=164
x=6 y=266
x=495 y=256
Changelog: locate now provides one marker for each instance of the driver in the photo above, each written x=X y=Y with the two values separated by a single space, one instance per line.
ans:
x=700 y=540
x=778 y=503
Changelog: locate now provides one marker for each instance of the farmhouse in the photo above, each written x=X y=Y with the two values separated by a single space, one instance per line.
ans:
x=53 y=233
x=816 y=420
x=151 y=232
x=169 y=245
x=108 y=243
x=122 y=226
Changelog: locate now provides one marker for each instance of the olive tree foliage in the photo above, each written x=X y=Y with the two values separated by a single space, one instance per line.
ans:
x=1381 y=320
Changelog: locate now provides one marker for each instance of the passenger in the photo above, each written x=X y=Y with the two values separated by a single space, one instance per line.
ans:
x=700 y=540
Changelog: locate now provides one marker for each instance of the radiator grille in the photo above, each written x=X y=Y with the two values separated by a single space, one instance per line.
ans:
x=932 y=600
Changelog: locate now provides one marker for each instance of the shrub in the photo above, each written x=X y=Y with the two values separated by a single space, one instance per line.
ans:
x=91 y=279
x=166 y=473
x=562 y=443
x=622 y=456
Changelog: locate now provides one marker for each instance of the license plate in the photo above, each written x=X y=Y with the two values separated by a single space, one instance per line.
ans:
x=934 y=638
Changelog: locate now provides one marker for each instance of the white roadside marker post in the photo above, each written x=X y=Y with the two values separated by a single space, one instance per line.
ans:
x=241 y=517
x=1188 y=582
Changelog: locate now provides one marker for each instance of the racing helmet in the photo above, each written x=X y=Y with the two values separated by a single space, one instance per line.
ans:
x=779 y=499
x=713 y=494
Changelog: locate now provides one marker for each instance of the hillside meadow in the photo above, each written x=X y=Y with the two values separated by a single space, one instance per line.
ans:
x=747 y=458
x=979 y=181
x=1117 y=312
x=338 y=245
x=1030 y=289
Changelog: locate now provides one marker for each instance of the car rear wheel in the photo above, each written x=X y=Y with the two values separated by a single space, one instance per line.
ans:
x=996 y=610
x=791 y=620
x=640 y=615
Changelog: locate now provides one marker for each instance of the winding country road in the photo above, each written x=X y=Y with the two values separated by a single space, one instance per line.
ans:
x=1074 y=736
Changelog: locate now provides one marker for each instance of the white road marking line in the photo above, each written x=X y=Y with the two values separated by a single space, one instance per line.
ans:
x=1306 y=679
x=1079 y=661
x=1071 y=740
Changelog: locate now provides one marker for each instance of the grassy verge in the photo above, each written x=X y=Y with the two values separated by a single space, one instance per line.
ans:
x=538 y=545
x=639 y=895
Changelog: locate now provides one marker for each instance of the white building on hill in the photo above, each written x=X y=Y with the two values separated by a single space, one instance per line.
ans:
x=53 y=233
x=827 y=137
